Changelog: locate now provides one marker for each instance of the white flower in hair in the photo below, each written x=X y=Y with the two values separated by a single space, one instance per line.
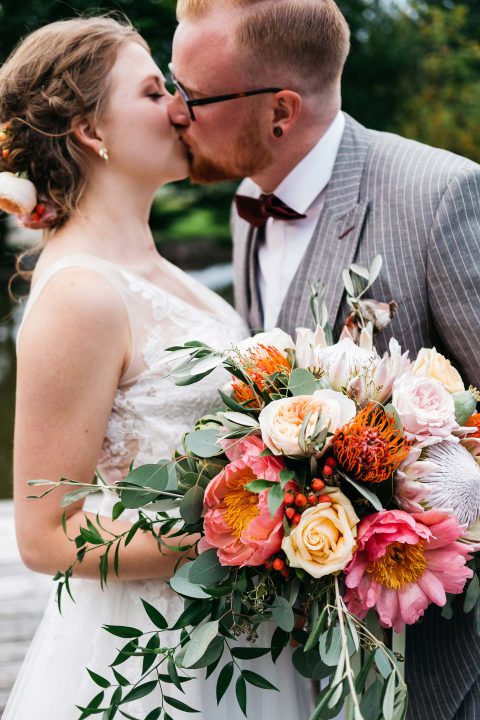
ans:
x=17 y=195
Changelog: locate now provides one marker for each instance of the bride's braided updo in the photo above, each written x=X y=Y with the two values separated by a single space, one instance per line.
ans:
x=57 y=74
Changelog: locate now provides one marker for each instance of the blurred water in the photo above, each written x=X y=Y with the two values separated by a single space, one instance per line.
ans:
x=217 y=277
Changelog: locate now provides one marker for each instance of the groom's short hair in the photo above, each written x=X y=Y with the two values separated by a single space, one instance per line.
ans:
x=306 y=39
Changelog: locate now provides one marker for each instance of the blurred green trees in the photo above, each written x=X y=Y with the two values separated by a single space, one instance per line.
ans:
x=414 y=69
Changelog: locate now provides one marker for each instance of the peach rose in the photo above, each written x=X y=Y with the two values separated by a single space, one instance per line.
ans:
x=281 y=420
x=324 y=540
x=433 y=365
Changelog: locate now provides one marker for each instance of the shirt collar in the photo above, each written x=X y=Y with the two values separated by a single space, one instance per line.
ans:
x=311 y=175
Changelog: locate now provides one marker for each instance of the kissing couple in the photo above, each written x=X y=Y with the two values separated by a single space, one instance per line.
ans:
x=88 y=134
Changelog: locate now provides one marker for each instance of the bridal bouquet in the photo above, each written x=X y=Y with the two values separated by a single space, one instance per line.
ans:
x=335 y=493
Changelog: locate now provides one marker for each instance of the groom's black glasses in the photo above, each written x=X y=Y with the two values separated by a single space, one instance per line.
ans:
x=215 y=98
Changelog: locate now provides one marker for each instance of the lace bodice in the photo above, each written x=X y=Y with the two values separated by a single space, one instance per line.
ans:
x=150 y=413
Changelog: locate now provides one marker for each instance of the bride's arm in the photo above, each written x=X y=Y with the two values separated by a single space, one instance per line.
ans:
x=72 y=351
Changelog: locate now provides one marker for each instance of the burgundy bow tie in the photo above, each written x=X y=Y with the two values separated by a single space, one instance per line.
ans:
x=256 y=211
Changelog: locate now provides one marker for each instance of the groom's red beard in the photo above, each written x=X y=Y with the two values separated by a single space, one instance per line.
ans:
x=249 y=155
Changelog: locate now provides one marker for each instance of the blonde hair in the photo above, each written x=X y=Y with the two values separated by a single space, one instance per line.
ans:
x=58 y=73
x=306 y=39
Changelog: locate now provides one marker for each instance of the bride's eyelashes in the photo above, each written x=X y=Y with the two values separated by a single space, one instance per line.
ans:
x=156 y=95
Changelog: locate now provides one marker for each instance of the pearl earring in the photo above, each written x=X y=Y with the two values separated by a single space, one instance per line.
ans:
x=103 y=152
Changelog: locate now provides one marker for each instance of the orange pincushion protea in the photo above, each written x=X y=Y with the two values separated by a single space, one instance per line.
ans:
x=259 y=363
x=370 y=447
x=474 y=421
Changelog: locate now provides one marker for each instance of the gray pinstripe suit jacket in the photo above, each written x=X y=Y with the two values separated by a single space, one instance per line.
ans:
x=419 y=207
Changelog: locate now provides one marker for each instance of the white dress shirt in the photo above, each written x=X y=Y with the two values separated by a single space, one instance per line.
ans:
x=302 y=190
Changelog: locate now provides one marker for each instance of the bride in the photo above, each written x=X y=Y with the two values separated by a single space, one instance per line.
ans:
x=84 y=114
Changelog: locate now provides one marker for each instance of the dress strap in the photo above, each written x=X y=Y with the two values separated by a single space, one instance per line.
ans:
x=96 y=264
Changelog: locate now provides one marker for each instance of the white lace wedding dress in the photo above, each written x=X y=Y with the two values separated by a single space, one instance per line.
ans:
x=148 y=418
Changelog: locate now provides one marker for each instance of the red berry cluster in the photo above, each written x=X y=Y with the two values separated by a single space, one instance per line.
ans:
x=38 y=212
x=278 y=564
x=297 y=502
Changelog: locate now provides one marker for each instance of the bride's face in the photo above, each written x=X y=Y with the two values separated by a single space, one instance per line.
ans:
x=136 y=131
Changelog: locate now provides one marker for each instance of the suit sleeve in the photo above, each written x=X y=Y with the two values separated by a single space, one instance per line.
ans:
x=453 y=272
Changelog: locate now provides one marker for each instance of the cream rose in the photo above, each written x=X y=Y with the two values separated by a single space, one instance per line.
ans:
x=323 y=542
x=281 y=420
x=435 y=366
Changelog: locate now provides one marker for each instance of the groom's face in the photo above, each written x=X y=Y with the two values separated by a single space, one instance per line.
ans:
x=227 y=140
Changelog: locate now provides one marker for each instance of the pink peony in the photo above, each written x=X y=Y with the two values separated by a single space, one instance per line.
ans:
x=236 y=521
x=403 y=563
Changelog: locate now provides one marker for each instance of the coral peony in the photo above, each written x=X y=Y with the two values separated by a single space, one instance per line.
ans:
x=236 y=521
x=403 y=563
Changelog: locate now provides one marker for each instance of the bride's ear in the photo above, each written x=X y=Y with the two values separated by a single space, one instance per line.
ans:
x=87 y=134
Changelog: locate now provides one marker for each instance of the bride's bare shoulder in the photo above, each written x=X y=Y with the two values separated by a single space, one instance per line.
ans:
x=71 y=302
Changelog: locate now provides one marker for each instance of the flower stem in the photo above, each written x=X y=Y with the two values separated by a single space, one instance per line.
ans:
x=348 y=667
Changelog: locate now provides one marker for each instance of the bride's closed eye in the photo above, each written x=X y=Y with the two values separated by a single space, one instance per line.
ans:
x=156 y=95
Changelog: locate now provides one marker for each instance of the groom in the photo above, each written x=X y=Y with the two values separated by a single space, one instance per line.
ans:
x=258 y=96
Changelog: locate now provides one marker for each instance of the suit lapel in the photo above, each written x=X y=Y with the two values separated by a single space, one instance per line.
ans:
x=334 y=242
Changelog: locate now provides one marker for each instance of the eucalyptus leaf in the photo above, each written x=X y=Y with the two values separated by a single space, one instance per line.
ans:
x=164 y=505
x=199 y=642
x=465 y=405
x=182 y=585
x=241 y=419
x=282 y=614
x=203 y=443
x=151 y=477
x=191 y=506
x=389 y=697
x=305 y=662
x=331 y=646
x=275 y=498
x=384 y=666
x=301 y=382
x=212 y=654
x=206 y=569
x=371 y=701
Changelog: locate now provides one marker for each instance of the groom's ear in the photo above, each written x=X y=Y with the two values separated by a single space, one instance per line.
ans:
x=87 y=133
x=287 y=105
